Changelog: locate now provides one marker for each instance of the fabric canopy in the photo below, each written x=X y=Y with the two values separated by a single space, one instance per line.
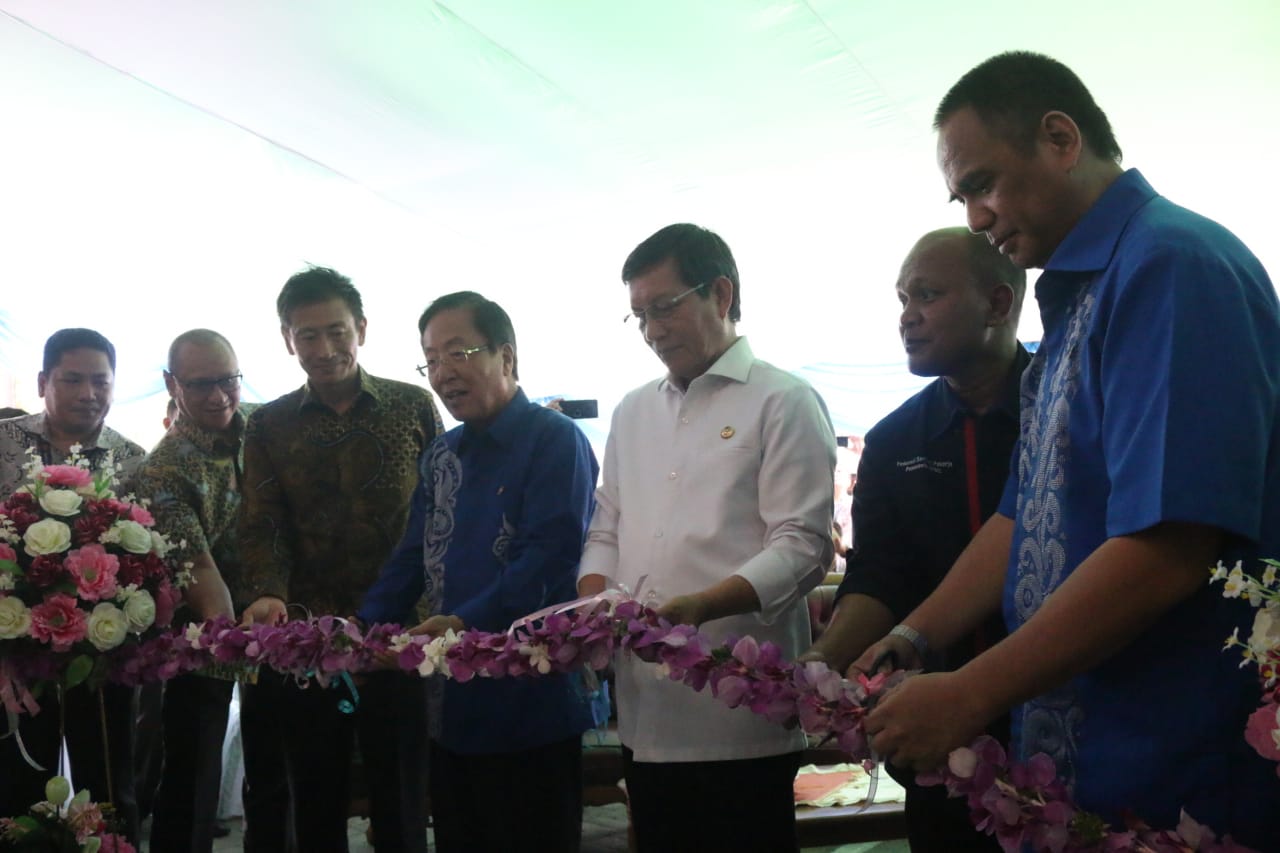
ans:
x=168 y=163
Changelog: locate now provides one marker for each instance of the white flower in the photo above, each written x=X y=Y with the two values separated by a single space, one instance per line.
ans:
x=159 y=544
x=1269 y=575
x=1235 y=583
x=1219 y=572
x=661 y=670
x=62 y=502
x=47 y=536
x=140 y=610
x=1266 y=629
x=962 y=762
x=400 y=642
x=15 y=618
x=108 y=626
x=131 y=535
x=539 y=657
x=193 y=634
x=6 y=582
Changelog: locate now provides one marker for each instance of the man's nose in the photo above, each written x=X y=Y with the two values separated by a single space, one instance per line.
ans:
x=980 y=217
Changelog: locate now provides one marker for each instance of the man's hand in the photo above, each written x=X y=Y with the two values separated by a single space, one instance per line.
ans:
x=918 y=723
x=437 y=625
x=685 y=610
x=592 y=585
x=267 y=610
x=904 y=656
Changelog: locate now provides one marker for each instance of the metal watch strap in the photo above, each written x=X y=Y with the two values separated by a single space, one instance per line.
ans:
x=914 y=637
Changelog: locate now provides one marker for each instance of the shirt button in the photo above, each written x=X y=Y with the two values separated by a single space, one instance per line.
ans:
x=671 y=476
x=684 y=420
x=658 y=535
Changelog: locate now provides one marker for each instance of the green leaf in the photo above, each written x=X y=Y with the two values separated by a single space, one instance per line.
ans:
x=78 y=670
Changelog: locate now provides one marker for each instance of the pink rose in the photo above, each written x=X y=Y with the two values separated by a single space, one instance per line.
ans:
x=59 y=622
x=66 y=475
x=167 y=598
x=1262 y=729
x=94 y=571
x=142 y=515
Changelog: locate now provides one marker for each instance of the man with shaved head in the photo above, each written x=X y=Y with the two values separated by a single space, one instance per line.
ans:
x=932 y=471
x=192 y=478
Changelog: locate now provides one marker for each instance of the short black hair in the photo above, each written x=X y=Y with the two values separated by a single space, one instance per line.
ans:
x=700 y=255
x=1012 y=92
x=65 y=340
x=317 y=284
x=199 y=337
x=487 y=316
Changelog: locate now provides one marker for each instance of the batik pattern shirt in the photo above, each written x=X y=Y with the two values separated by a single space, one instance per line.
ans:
x=19 y=434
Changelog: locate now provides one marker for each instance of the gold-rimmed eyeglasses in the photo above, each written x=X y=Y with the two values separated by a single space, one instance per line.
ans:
x=661 y=309
x=457 y=356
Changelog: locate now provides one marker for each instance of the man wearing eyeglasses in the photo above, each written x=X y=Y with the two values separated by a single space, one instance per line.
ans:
x=77 y=382
x=717 y=489
x=495 y=534
x=329 y=472
x=192 y=478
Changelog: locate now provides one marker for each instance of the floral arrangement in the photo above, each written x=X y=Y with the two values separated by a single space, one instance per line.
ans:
x=62 y=824
x=82 y=576
x=1262 y=648
x=1025 y=806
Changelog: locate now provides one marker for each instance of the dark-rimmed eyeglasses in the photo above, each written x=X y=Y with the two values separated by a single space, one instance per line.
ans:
x=204 y=387
x=455 y=357
x=660 y=310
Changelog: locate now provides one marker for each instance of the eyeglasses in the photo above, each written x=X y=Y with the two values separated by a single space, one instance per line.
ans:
x=660 y=310
x=457 y=356
x=204 y=387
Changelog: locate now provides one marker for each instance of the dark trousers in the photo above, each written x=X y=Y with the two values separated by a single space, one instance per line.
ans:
x=318 y=738
x=21 y=785
x=937 y=823
x=746 y=805
x=268 y=813
x=529 y=800
x=148 y=746
x=195 y=725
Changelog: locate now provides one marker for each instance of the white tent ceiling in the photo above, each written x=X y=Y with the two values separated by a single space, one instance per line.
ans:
x=168 y=163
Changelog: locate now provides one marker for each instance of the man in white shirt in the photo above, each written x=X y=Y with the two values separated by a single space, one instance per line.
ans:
x=717 y=488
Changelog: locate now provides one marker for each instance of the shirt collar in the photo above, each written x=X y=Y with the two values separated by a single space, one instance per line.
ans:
x=366 y=386
x=1088 y=246
x=734 y=363
x=506 y=427
x=37 y=425
x=943 y=408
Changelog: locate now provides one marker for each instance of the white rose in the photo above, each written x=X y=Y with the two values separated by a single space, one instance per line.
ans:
x=140 y=610
x=107 y=626
x=15 y=618
x=47 y=536
x=1266 y=629
x=132 y=536
x=61 y=502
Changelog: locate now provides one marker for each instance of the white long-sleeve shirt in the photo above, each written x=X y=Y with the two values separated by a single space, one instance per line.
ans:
x=732 y=476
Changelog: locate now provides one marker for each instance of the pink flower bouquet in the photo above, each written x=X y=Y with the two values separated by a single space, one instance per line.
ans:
x=83 y=579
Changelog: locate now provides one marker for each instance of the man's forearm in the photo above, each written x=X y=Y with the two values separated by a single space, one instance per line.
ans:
x=208 y=595
x=859 y=620
x=971 y=590
x=1113 y=596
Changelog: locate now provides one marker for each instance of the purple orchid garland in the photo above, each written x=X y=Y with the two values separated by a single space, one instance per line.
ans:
x=1023 y=805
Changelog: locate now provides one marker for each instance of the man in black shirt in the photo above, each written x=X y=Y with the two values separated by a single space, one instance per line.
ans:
x=932 y=472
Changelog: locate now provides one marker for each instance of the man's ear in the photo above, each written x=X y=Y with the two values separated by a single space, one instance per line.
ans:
x=41 y=382
x=722 y=287
x=1000 y=305
x=288 y=340
x=361 y=325
x=1061 y=134
x=170 y=384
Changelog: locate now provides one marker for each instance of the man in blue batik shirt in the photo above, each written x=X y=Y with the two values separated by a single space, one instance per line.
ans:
x=1149 y=450
x=495 y=532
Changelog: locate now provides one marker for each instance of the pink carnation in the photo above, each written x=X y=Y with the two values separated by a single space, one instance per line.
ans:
x=59 y=622
x=94 y=571
x=167 y=597
x=142 y=515
x=112 y=843
x=66 y=475
x=7 y=553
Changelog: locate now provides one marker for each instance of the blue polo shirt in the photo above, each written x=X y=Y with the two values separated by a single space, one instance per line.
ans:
x=1153 y=397
x=495 y=532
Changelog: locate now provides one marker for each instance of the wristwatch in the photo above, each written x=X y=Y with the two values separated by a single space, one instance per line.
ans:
x=914 y=637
